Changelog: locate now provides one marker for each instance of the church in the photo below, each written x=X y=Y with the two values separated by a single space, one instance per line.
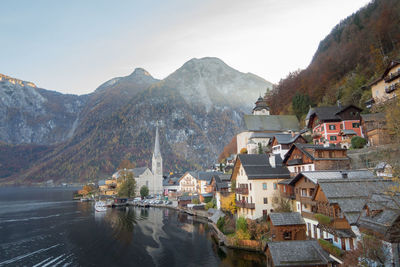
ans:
x=153 y=178
x=261 y=126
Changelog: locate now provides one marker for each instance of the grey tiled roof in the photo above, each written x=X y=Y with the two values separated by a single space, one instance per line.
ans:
x=286 y=218
x=257 y=166
x=315 y=176
x=298 y=253
x=207 y=176
x=329 y=113
x=384 y=211
x=277 y=123
x=138 y=171
x=373 y=117
x=262 y=135
x=351 y=194
x=225 y=177
x=286 y=139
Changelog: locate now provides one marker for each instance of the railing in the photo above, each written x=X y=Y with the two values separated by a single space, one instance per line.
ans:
x=392 y=76
x=242 y=190
x=243 y=204
x=308 y=215
x=288 y=195
x=391 y=88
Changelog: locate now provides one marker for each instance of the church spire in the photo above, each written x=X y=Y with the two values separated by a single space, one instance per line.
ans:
x=157 y=144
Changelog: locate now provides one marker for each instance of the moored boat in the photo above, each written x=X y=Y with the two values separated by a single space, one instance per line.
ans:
x=100 y=206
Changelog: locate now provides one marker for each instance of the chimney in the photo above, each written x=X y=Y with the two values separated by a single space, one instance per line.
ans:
x=292 y=133
x=339 y=104
x=272 y=160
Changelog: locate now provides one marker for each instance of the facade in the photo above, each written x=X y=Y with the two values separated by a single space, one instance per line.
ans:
x=188 y=183
x=306 y=157
x=256 y=177
x=374 y=126
x=327 y=122
x=386 y=87
x=287 y=226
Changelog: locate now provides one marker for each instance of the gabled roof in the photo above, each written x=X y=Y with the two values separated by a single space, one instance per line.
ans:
x=257 y=166
x=384 y=212
x=373 y=117
x=351 y=193
x=286 y=218
x=207 y=176
x=304 y=147
x=286 y=139
x=315 y=176
x=278 y=123
x=298 y=253
x=138 y=171
x=261 y=135
x=328 y=113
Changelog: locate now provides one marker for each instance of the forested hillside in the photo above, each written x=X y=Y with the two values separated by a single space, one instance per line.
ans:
x=355 y=53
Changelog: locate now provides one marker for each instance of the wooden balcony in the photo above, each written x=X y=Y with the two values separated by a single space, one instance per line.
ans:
x=392 y=76
x=308 y=215
x=243 y=204
x=242 y=190
x=288 y=195
x=391 y=88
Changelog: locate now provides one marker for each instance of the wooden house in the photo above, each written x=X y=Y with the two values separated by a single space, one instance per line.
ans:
x=287 y=226
x=326 y=123
x=297 y=254
x=307 y=157
x=375 y=129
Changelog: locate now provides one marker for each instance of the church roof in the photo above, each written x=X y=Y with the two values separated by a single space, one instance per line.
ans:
x=278 y=123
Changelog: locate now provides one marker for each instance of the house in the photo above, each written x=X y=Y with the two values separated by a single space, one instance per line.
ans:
x=308 y=157
x=171 y=187
x=297 y=253
x=260 y=124
x=337 y=205
x=256 y=177
x=383 y=169
x=204 y=179
x=374 y=126
x=305 y=185
x=286 y=226
x=380 y=218
x=385 y=87
x=281 y=143
x=327 y=122
x=183 y=201
x=188 y=183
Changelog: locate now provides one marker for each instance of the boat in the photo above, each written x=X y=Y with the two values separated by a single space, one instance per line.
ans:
x=100 y=206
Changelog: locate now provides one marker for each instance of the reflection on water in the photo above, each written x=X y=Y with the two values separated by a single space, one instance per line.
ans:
x=57 y=231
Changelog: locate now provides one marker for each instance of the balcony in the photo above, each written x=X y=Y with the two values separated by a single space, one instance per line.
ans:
x=391 y=88
x=308 y=215
x=392 y=76
x=243 y=204
x=316 y=135
x=288 y=195
x=242 y=190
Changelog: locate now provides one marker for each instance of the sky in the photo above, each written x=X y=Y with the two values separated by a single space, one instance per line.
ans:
x=74 y=46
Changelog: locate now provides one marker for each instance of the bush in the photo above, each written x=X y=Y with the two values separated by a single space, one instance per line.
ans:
x=332 y=249
x=358 y=142
x=210 y=204
x=323 y=219
x=242 y=235
x=195 y=201
x=241 y=224
x=221 y=223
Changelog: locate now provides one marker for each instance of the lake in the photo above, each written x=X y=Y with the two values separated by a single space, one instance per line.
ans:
x=44 y=227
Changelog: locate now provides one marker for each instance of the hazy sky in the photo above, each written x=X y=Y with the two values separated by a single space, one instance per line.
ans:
x=74 y=46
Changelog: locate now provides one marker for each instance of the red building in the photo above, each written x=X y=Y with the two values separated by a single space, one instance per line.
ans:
x=329 y=123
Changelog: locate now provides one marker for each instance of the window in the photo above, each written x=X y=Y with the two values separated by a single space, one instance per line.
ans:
x=275 y=186
x=264 y=186
x=265 y=200
x=315 y=231
x=356 y=125
x=304 y=192
x=333 y=138
x=287 y=235
x=309 y=167
x=250 y=186
x=332 y=127
x=147 y=184
x=335 y=239
x=284 y=188
x=341 y=126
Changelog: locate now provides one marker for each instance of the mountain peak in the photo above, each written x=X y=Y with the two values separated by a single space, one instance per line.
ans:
x=138 y=72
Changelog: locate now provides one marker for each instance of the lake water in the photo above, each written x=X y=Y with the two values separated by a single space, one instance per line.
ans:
x=44 y=227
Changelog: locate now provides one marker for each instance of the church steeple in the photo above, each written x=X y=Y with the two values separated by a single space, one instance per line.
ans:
x=261 y=107
x=157 y=159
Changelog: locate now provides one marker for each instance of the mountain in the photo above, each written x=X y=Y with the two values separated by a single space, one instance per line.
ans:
x=355 y=53
x=34 y=115
x=195 y=107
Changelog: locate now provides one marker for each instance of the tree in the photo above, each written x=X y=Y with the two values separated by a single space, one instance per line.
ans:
x=128 y=185
x=144 y=191
x=228 y=203
x=243 y=151
x=358 y=142
x=301 y=103
x=392 y=113
x=126 y=164
x=281 y=204
x=260 y=149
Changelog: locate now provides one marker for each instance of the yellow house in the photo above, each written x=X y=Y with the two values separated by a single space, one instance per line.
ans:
x=110 y=187
x=385 y=88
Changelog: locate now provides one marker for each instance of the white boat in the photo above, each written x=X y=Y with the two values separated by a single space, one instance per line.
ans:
x=100 y=206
